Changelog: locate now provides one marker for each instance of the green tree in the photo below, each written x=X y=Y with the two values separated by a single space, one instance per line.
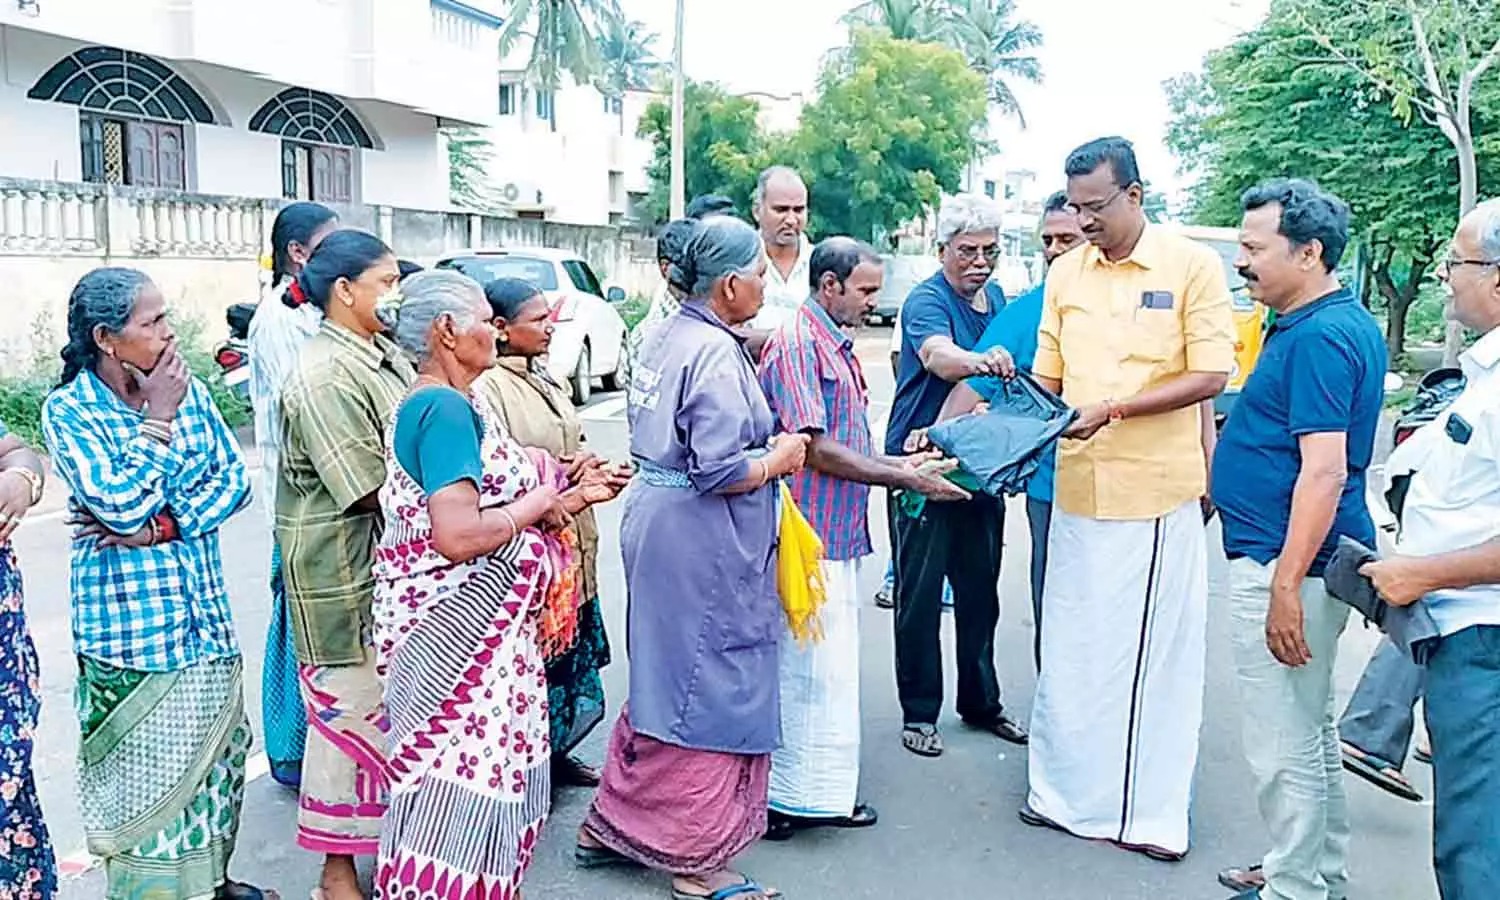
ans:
x=986 y=32
x=905 y=20
x=564 y=37
x=894 y=125
x=1428 y=60
x=468 y=163
x=1260 y=109
x=628 y=60
x=997 y=46
x=724 y=147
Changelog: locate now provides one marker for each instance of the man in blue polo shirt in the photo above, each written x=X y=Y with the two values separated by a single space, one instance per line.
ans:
x=941 y=322
x=1289 y=479
x=1014 y=328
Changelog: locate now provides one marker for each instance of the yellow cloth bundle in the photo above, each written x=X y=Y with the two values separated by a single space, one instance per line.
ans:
x=799 y=571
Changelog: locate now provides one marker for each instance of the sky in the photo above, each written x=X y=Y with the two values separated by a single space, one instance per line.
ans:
x=1103 y=62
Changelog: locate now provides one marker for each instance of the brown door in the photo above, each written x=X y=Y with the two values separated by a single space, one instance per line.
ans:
x=154 y=155
x=333 y=175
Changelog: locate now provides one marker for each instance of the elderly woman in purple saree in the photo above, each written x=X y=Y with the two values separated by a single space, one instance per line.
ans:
x=685 y=781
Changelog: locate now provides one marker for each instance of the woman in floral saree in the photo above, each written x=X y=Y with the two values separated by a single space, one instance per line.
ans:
x=473 y=579
x=538 y=413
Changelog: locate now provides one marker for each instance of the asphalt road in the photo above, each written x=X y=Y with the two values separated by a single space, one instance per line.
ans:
x=948 y=826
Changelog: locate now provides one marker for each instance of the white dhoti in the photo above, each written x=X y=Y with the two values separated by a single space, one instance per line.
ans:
x=1114 y=726
x=815 y=773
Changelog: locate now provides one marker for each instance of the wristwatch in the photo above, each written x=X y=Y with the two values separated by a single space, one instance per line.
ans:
x=32 y=479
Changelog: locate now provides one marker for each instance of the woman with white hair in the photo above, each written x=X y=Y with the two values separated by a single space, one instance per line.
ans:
x=471 y=561
x=687 y=771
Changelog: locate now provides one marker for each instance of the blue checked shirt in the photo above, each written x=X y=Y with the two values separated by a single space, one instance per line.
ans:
x=162 y=608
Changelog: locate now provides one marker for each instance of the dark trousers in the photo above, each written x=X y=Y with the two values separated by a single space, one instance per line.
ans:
x=962 y=542
x=1381 y=712
x=1463 y=718
x=1039 y=518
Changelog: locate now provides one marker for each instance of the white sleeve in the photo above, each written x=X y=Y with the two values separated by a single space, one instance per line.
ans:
x=896 y=333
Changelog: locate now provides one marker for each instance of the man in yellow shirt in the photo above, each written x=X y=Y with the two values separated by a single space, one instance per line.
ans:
x=1136 y=333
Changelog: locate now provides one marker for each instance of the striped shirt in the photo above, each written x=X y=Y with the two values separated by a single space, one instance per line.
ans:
x=335 y=409
x=162 y=608
x=814 y=383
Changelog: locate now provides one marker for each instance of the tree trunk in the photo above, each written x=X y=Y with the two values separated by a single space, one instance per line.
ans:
x=1366 y=266
x=1398 y=301
x=1468 y=197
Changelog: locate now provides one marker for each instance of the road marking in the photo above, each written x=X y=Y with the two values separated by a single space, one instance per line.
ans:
x=80 y=862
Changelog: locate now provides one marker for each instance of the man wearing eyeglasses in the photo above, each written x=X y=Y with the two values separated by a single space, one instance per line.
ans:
x=1015 y=328
x=941 y=322
x=1136 y=332
x=1448 y=557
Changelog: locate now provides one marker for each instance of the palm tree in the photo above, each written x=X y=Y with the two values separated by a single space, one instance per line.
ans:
x=564 y=38
x=628 y=61
x=906 y=20
x=997 y=46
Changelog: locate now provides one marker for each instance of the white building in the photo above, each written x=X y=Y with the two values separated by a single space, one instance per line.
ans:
x=165 y=134
x=570 y=155
x=336 y=100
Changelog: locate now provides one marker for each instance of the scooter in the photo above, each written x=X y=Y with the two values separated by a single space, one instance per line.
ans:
x=233 y=355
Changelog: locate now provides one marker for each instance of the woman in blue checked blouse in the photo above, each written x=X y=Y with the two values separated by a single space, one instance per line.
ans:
x=28 y=870
x=154 y=473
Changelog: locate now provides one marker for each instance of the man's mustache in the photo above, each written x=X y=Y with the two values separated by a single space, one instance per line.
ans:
x=1247 y=274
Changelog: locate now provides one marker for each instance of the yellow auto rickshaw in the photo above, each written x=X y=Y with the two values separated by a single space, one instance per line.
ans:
x=1249 y=316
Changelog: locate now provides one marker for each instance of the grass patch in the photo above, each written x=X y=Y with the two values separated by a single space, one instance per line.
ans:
x=21 y=396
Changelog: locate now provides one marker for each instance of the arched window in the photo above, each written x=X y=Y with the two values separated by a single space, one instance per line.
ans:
x=319 y=135
x=132 y=106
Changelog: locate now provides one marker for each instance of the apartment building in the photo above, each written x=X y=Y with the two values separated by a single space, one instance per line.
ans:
x=334 y=100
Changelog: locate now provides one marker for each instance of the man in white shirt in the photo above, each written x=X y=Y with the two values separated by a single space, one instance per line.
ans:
x=1448 y=557
x=780 y=210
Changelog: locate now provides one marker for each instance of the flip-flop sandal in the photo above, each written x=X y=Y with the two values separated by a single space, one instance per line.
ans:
x=1153 y=852
x=1036 y=820
x=1422 y=755
x=1004 y=728
x=1375 y=772
x=923 y=740
x=742 y=890
x=599 y=858
x=1249 y=878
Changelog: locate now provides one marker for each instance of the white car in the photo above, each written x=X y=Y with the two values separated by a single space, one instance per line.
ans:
x=588 y=337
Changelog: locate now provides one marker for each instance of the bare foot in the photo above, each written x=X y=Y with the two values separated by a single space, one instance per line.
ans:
x=586 y=839
x=340 y=881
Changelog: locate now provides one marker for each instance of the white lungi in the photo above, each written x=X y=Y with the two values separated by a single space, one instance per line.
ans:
x=1114 y=726
x=815 y=773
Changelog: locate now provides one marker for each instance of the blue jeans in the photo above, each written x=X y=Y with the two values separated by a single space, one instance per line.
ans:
x=1463 y=719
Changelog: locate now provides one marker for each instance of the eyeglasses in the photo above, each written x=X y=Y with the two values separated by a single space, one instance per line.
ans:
x=1445 y=267
x=1097 y=206
x=990 y=252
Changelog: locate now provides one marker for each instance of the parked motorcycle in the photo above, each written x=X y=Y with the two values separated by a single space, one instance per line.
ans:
x=233 y=355
x=1435 y=393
